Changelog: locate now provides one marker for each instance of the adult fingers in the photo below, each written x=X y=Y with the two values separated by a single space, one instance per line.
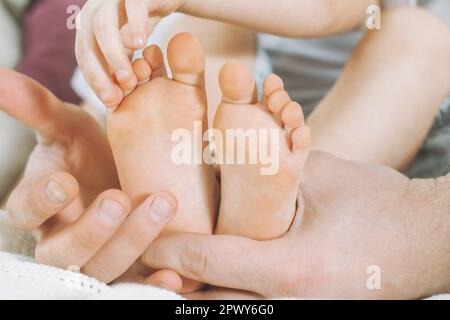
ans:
x=91 y=61
x=165 y=279
x=79 y=241
x=222 y=294
x=107 y=32
x=142 y=227
x=31 y=103
x=35 y=201
x=225 y=261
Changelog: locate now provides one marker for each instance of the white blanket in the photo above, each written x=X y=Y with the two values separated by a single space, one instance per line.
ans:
x=22 y=278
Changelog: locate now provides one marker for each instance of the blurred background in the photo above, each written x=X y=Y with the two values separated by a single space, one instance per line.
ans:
x=35 y=41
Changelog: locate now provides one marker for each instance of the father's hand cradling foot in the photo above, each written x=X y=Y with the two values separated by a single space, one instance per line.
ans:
x=62 y=196
x=358 y=219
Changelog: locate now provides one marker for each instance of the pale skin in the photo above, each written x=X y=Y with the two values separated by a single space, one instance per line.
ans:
x=444 y=33
x=121 y=25
x=337 y=235
x=140 y=132
x=400 y=225
x=331 y=116
x=59 y=216
x=399 y=98
x=384 y=92
x=366 y=89
x=62 y=197
x=403 y=223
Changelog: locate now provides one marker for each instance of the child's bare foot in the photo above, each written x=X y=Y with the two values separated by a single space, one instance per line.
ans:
x=140 y=133
x=253 y=204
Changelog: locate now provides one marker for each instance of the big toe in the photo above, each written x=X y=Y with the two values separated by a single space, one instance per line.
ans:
x=237 y=84
x=186 y=59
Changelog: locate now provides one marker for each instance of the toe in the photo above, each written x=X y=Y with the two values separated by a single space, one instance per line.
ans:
x=301 y=138
x=277 y=101
x=292 y=115
x=237 y=84
x=142 y=70
x=272 y=84
x=186 y=59
x=154 y=57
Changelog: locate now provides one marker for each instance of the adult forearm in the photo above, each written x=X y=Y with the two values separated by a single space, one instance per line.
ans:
x=291 y=18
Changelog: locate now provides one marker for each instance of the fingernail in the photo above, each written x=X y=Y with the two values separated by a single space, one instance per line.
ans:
x=122 y=75
x=138 y=41
x=161 y=209
x=105 y=95
x=55 y=193
x=110 y=212
x=162 y=285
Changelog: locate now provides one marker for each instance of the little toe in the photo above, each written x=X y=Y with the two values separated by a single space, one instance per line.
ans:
x=142 y=70
x=186 y=59
x=292 y=115
x=154 y=56
x=278 y=100
x=301 y=138
x=237 y=84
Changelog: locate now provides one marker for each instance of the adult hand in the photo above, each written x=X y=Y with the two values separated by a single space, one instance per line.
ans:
x=110 y=31
x=62 y=196
x=360 y=224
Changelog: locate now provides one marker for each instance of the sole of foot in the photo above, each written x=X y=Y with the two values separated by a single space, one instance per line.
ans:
x=259 y=198
x=141 y=131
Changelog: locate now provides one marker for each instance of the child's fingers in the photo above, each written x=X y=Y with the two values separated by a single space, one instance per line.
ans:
x=94 y=73
x=128 y=36
x=106 y=30
x=166 y=279
x=92 y=63
x=137 y=13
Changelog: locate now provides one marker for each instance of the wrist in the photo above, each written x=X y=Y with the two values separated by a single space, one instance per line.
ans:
x=186 y=7
x=440 y=210
x=427 y=213
x=442 y=202
x=196 y=8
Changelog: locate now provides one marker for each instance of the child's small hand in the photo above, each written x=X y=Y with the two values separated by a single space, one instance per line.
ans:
x=110 y=31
